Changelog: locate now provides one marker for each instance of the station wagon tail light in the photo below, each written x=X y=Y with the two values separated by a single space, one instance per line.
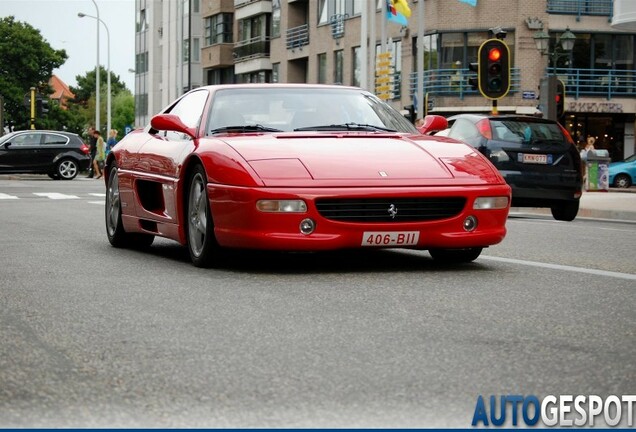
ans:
x=84 y=149
x=490 y=203
x=566 y=134
x=281 y=206
x=483 y=126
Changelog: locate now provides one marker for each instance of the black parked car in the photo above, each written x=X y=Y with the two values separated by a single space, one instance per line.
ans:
x=61 y=155
x=537 y=157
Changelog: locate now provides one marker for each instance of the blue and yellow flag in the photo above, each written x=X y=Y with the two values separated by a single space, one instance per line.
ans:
x=398 y=11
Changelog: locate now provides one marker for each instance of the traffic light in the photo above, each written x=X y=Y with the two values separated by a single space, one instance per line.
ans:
x=41 y=106
x=494 y=69
x=411 y=113
x=560 y=98
x=474 y=81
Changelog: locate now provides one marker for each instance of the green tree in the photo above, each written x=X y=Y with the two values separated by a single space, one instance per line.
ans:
x=85 y=96
x=123 y=111
x=26 y=61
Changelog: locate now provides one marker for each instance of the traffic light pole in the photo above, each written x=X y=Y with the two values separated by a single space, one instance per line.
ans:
x=494 y=107
x=32 y=120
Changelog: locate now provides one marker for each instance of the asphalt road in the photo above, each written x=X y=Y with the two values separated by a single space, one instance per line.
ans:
x=92 y=336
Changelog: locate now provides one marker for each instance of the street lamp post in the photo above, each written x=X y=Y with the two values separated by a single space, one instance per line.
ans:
x=542 y=41
x=97 y=102
x=108 y=91
x=551 y=88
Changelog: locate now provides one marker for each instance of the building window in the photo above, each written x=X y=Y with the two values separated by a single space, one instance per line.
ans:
x=218 y=29
x=329 y=8
x=196 y=50
x=258 y=77
x=322 y=68
x=186 y=50
x=355 y=67
x=221 y=76
x=141 y=62
x=252 y=28
x=276 y=18
x=275 y=72
x=338 y=67
x=458 y=49
x=141 y=21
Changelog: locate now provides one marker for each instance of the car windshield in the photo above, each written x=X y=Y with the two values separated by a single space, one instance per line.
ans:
x=527 y=132
x=7 y=137
x=632 y=158
x=302 y=109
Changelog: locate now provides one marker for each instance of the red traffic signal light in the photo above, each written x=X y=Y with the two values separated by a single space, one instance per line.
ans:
x=494 y=69
x=560 y=98
x=494 y=54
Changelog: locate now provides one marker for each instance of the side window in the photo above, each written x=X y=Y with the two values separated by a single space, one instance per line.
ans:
x=189 y=109
x=54 y=139
x=26 y=140
x=465 y=130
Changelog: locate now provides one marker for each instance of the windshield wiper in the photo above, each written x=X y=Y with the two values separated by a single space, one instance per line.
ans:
x=345 y=126
x=244 y=128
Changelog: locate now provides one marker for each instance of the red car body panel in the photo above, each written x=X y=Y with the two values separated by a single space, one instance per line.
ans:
x=242 y=168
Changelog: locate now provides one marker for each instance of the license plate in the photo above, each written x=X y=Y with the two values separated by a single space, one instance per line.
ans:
x=390 y=238
x=531 y=158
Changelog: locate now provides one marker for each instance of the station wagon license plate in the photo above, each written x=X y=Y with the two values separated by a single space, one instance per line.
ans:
x=533 y=158
x=390 y=238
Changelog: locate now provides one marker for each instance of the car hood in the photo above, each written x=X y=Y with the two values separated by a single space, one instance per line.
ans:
x=618 y=166
x=362 y=159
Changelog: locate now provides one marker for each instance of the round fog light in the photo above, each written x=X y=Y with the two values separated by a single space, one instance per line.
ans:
x=470 y=223
x=307 y=226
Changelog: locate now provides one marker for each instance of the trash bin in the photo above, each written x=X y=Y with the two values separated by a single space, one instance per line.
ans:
x=597 y=169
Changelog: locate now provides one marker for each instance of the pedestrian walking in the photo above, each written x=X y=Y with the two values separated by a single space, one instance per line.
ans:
x=100 y=154
x=112 y=140
x=92 y=143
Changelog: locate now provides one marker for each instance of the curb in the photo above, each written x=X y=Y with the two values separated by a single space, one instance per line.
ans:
x=588 y=214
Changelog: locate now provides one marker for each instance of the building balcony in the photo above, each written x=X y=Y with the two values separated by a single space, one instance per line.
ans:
x=249 y=8
x=606 y=83
x=454 y=82
x=217 y=55
x=581 y=7
x=297 y=36
x=250 y=49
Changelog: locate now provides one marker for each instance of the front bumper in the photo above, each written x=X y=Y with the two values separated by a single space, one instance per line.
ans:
x=238 y=224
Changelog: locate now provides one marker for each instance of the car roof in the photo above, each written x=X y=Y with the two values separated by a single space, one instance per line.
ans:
x=215 y=87
x=514 y=117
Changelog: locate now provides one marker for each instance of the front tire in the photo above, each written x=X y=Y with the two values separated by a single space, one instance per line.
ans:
x=201 y=241
x=565 y=211
x=67 y=169
x=622 y=181
x=455 y=256
x=117 y=235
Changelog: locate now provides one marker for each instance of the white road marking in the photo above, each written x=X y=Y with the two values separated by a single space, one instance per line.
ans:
x=97 y=202
x=594 y=272
x=55 y=195
x=98 y=194
x=5 y=196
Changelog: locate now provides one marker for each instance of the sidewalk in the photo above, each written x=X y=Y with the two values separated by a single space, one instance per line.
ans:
x=617 y=204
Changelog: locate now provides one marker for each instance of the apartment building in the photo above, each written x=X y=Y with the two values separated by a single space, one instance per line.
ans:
x=320 y=41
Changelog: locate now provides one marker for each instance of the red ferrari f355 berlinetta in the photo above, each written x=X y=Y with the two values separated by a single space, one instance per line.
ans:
x=296 y=167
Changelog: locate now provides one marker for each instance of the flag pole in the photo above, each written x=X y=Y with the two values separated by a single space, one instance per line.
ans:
x=420 y=59
x=364 y=48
